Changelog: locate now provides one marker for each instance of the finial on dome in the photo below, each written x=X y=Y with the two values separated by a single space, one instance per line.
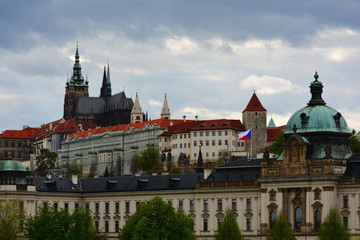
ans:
x=294 y=128
x=316 y=76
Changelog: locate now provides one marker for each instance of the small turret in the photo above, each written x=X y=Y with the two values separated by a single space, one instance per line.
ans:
x=137 y=115
x=165 y=112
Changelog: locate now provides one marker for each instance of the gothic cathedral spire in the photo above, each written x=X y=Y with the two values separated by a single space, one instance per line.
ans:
x=165 y=112
x=105 y=90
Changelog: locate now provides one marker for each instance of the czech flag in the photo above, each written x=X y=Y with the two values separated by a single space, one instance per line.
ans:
x=245 y=135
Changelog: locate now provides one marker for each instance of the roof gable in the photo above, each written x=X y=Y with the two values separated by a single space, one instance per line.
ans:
x=254 y=104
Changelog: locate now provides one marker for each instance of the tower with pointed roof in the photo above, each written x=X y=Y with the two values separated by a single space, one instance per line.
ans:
x=137 y=115
x=165 y=112
x=76 y=87
x=254 y=118
x=105 y=90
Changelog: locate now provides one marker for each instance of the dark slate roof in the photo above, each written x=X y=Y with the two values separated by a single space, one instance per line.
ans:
x=237 y=170
x=118 y=184
x=87 y=105
x=43 y=184
x=119 y=102
x=353 y=165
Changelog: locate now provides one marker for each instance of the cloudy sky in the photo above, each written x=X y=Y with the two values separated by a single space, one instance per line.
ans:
x=208 y=56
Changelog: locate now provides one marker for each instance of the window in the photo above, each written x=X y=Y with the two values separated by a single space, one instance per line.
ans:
x=201 y=143
x=248 y=224
x=192 y=205
x=213 y=133
x=137 y=205
x=117 y=207
x=205 y=224
x=180 y=145
x=106 y=208
x=206 y=205
x=298 y=217
x=207 y=154
x=317 y=195
x=56 y=206
x=66 y=206
x=213 y=142
x=194 y=154
x=97 y=208
x=106 y=226
x=317 y=216
x=213 y=154
x=272 y=197
x=346 y=222
x=233 y=205
x=87 y=206
x=219 y=142
x=116 y=226
x=207 y=142
x=219 y=133
x=195 y=143
x=272 y=218
x=76 y=205
x=226 y=133
x=219 y=204
x=345 y=201
x=170 y=202
x=195 y=134
x=218 y=223
x=201 y=134
x=207 y=134
x=127 y=207
x=226 y=143
x=97 y=226
x=248 y=204
x=181 y=205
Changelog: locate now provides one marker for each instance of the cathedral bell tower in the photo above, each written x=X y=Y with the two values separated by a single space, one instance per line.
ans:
x=76 y=87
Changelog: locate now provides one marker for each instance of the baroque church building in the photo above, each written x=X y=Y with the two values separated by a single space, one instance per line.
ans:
x=105 y=110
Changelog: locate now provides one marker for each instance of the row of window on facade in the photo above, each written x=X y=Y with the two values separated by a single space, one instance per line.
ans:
x=24 y=143
x=207 y=143
x=200 y=134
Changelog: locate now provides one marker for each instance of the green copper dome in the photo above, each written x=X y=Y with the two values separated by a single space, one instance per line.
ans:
x=316 y=117
x=11 y=165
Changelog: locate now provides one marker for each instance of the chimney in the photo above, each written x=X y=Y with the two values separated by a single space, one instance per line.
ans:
x=74 y=179
x=196 y=118
x=184 y=117
x=171 y=123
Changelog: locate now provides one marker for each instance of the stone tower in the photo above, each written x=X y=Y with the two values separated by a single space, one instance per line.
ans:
x=254 y=118
x=76 y=86
x=137 y=115
x=165 y=112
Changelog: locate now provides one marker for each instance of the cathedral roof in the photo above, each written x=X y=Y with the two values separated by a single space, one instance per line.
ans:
x=254 y=104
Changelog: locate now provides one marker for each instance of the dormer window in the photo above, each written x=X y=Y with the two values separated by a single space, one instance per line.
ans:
x=337 y=119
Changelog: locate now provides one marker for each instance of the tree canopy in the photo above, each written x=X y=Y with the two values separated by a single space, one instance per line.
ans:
x=157 y=220
x=149 y=160
x=44 y=163
x=281 y=230
x=49 y=223
x=354 y=141
x=278 y=146
x=73 y=169
x=11 y=216
x=229 y=228
x=333 y=227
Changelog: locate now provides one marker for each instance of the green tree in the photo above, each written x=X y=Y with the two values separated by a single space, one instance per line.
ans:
x=149 y=160
x=73 y=169
x=281 y=230
x=157 y=220
x=354 y=141
x=44 y=163
x=333 y=228
x=49 y=223
x=174 y=169
x=229 y=228
x=278 y=146
x=224 y=156
x=11 y=216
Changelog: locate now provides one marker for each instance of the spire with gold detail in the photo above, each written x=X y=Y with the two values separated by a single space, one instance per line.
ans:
x=165 y=112
x=137 y=115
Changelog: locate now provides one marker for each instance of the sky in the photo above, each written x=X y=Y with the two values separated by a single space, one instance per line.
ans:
x=207 y=56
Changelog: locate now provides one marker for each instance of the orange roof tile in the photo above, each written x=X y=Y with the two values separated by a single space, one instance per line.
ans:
x=254 y=104
x=27 y=133
x=273 y=132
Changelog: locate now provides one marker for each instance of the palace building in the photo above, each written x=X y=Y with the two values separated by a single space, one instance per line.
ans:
x=315 y=173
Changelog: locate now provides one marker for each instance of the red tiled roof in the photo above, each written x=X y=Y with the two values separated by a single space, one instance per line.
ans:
x=46 y=129
x=273 y=132
x=205 y=125
x=27 y=133
x=254 y=104
x=164 y=123
x=71 y=126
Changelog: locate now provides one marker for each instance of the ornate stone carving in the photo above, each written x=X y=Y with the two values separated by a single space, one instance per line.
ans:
x=345 y=213
x=205 y=215
x=248 y=214
x=219 y=215
x=329 y=188
x=272 y=207
x=317 y=205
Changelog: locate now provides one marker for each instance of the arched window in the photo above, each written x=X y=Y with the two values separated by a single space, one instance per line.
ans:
x=272 y=218
x=317 y=216
x=298 y=217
